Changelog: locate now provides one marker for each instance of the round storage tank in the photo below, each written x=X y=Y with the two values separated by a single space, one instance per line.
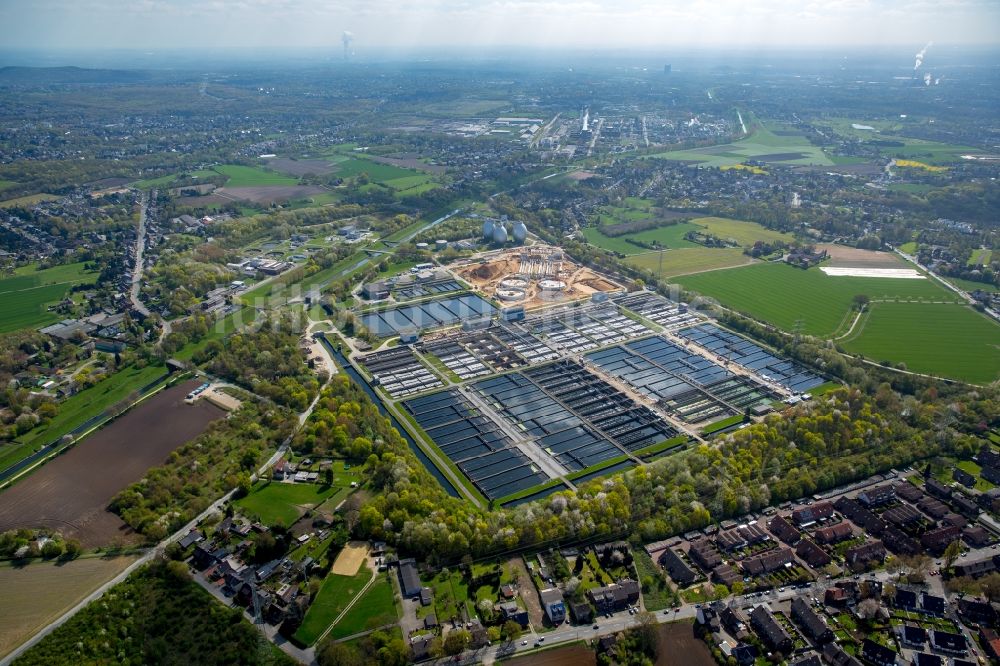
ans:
x=499 y=234
x=488 y=230
x=441 y=244
x=520 y=232
x=422 y=246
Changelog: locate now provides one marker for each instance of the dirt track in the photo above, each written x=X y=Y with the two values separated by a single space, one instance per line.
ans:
x=71 y=492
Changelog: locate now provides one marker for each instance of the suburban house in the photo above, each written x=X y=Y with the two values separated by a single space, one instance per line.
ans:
x=553 y=605
x=813 y=625
x=615 y=597
x=770 y=631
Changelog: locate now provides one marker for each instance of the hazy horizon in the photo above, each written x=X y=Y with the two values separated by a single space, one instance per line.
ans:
x=49 y=25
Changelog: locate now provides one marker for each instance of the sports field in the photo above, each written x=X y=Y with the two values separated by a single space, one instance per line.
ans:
x=783 y=295
x=945 y=340
x=27 y=294
x=38 y=593
x=244 y=176
x=284 y=502
x=375 y=609
x=690 y=260
x=349 y=558
x=333 y=597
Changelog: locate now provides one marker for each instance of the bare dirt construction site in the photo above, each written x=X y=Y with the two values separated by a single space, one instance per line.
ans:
x=40 y=592
x=546 y=275
x=850 y=257
x=71 y=492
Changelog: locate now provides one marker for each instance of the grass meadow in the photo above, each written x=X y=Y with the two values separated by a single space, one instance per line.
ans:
x=946 y=340
x=284 y=503
x=27 y=294
x=781 y=294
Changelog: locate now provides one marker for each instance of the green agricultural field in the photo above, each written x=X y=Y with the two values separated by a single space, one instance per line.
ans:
x=763 y=145
x=333 y=597
x=930 y=152
x=672 y=236
x=783 y=295
x=78 y=409
x=29 y=292
x=744 y=233
x=276 y=502
x=407 y=182
x=946 y=340
x=375 y=609
x=378 y=173
x=28 y=200
x=690 y=260
x=6 y=184
x=244 y=176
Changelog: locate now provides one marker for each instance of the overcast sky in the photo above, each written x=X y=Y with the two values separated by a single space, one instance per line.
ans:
x=150 y=24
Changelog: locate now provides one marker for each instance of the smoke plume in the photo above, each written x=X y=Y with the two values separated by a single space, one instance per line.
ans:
x=920 y=56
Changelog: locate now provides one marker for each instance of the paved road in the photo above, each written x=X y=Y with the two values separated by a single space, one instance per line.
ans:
x=140 y=246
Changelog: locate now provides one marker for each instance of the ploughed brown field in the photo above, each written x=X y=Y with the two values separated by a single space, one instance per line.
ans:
x=574 y=655
x=678 y=646
x=71 y=492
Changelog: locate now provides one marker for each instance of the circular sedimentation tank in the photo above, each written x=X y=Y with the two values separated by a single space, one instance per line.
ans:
x=551 y=285
x=508 y=295
x=513 y=283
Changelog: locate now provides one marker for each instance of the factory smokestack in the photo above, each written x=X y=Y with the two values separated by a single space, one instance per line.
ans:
x=347 y=38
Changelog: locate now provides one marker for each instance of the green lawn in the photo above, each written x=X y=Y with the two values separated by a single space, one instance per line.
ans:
x=333 y=597
x=981 y=256
x=781 y=294
x=284 y=502
x=947 y=340
x=27 y=294
x=660 y=595
x=690 y=260
x=451 y=592
x=376 y=608
x=244 y=176
x=77 y=409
